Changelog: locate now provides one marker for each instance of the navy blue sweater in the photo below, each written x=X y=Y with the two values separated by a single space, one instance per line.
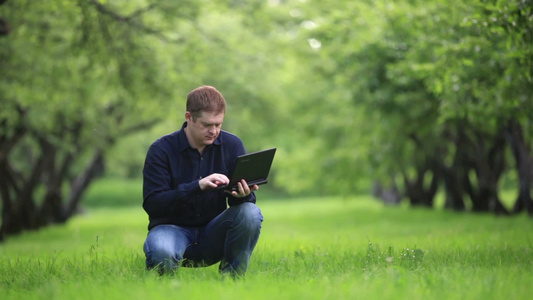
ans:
x=172 y=171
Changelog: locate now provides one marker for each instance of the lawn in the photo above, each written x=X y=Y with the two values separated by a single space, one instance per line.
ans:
x=312 y=248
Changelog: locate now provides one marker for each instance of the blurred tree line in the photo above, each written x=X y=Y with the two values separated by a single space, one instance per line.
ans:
x=443 y=90
x=409 y=95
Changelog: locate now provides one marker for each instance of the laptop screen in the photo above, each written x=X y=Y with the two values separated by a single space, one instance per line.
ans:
x=253 y=167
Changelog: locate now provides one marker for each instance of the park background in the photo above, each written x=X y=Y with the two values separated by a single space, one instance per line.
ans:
x=403 y=128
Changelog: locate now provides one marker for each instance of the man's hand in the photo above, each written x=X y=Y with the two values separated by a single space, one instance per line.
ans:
x=243 y=189
x=212 y=181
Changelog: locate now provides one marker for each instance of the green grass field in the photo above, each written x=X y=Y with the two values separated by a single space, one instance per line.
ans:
x=314 y=248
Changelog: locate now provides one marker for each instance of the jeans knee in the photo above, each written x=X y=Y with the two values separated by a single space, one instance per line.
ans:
x=250 y=215
x=163 y=259
x=164 y=254
x=161 y=252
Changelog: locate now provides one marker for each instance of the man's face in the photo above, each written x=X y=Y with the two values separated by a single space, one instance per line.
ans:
x=205 y=129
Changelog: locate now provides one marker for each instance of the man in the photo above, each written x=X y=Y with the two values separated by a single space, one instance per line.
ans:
x=190 y=222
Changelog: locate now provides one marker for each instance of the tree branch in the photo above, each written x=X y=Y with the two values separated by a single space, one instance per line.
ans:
x=81 y=182
x=141 y=126
x=130 y=20
x=8 y=142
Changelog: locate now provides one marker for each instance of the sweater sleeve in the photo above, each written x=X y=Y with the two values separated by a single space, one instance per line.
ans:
x=158 y=195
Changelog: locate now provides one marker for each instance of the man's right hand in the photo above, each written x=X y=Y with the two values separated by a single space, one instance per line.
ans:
x=212 y=181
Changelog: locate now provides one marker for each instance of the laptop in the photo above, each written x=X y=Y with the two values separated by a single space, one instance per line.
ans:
x=252 y=167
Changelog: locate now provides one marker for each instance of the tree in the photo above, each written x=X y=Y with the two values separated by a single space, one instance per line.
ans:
x=435 y=87
x=483 y=82
x=77 y=76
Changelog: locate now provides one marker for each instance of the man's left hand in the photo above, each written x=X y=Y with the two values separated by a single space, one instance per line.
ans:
x=243 y=189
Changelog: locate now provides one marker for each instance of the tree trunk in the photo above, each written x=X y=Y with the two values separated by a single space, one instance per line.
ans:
x=22 y=213
x=489 y=164
x=415 y=190
x=454 y=190
x=453 y=176
x=389 y=195
x=82 y=182
x=51 y=210
x=524 y=166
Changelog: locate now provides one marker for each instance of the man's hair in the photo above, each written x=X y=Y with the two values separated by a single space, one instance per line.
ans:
x=205 y=98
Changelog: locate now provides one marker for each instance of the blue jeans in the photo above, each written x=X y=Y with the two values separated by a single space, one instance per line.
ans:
x=229 y=239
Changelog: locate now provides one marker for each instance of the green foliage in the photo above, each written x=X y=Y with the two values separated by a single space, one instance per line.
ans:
x=391 y=80
x=349 y=93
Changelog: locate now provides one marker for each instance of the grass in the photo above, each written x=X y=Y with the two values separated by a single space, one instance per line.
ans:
x=313 y=248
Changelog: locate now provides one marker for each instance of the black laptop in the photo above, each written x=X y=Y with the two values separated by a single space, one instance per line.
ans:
x=252 y=167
